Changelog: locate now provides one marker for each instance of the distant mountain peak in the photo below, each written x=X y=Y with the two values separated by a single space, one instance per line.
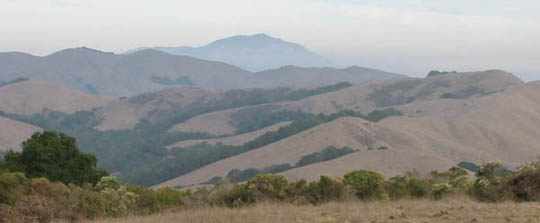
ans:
x=80 y=50
x=259 y=40
x=255 y=52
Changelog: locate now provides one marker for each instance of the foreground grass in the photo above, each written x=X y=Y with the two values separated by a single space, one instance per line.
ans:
x=450 y=210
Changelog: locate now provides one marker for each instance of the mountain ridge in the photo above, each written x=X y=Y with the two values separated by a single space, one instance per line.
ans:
x=261 y=51
x=105 y=73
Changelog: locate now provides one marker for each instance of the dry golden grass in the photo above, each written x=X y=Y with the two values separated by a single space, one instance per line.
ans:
x=451 y=210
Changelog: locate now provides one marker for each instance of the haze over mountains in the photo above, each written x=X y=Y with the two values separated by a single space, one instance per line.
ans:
x=149 y=70
x=254 y=53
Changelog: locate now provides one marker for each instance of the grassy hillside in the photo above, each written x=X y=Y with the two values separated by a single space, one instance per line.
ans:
x=435 y=133
x=176 y=105
x=31 y=97
x=424 y=93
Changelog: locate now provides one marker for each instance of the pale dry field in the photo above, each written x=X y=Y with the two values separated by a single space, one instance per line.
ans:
x=452 y=210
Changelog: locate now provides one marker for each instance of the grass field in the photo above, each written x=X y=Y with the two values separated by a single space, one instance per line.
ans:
x=449 y=210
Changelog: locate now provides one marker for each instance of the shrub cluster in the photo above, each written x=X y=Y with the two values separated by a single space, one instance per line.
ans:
x=269 y=187
x=359 y=184
x=40 y=200
x=493 y=182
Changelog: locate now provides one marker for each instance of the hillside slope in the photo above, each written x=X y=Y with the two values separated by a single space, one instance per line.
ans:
x=31 y=97
x=128 y=112
x=13 y=133
x=413 y=96
x=498 y=125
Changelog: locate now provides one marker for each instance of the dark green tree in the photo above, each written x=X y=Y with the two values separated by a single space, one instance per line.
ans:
x=54 y=156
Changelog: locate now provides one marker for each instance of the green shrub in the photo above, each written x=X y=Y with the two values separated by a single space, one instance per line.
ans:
x=456 y=177
x=441 y=190
x=493 y=171
x=418 y=187
x=147 y=201
x=324 y=190
x=366 y=184
x=480 y=188
x=269 y=186
x=169 y=197
x=117 y=200
x=296 y=192
x=239 y=195
x=525 y=184
x=12 y=187
x=397 y=187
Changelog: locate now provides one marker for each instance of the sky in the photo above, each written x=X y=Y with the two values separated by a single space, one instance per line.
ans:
x=409 y=37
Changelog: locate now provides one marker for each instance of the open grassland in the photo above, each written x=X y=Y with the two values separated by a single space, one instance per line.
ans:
x=447 y=210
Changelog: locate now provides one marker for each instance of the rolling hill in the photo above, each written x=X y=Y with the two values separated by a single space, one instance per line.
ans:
x=175 y=106
x=32 y=97
x=29 y=97
x=254 y=53
x=400 y=94
x=496 y=123
x=103 y=73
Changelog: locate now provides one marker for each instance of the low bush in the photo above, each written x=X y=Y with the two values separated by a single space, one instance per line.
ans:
x=441 y=190
x=324 y=190
x=367 y=184
x=525 y=184
x=12 y=187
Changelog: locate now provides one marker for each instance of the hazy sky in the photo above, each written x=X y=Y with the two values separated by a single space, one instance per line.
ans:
x=405 y=36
